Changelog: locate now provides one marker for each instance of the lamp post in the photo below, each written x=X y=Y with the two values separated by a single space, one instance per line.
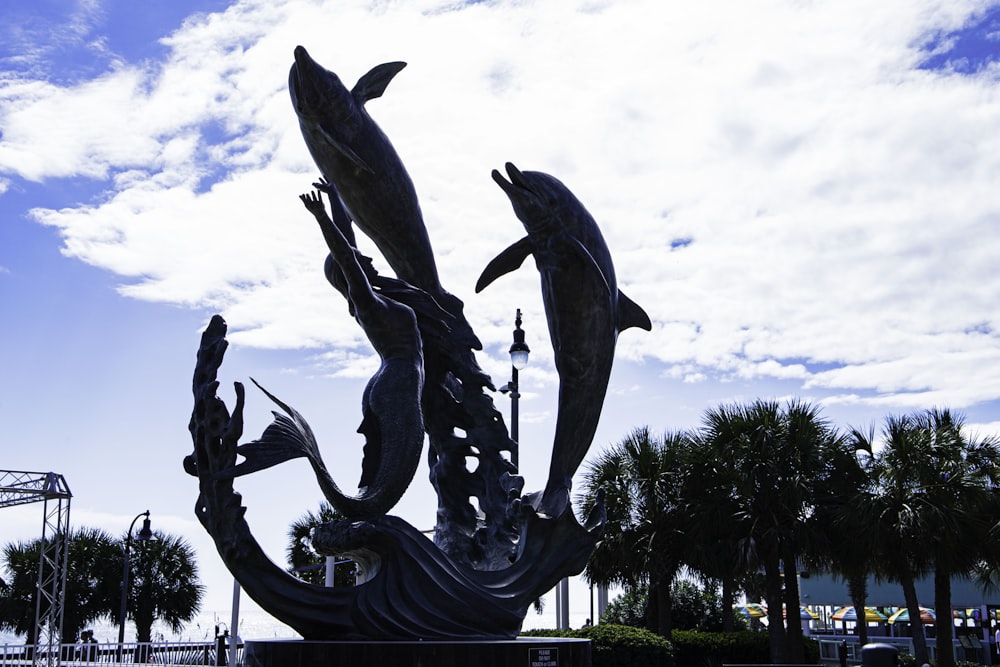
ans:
x=145 y=534
x=518 y=361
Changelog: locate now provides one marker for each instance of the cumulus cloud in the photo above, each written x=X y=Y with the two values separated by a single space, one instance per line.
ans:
x=785 y=191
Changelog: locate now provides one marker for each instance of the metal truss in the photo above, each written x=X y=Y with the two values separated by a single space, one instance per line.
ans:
x=19 y=488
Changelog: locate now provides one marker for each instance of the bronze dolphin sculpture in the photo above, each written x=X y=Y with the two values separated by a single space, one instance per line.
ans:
x=583 y=306
x=361 y=168
x=358 y=160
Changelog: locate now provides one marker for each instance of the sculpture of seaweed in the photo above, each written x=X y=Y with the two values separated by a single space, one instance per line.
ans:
x=483 y=569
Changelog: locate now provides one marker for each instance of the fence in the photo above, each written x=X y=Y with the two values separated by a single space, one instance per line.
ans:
x=829 y=648
x=154 y=653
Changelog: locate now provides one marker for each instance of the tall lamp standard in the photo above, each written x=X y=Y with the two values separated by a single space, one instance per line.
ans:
x=145 y=535
x=518 y=361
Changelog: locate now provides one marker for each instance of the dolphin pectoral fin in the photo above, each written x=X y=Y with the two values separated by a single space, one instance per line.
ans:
x=580 y=250
x=631 y=314
x=346 y=151
x=598 y=515
x=373 y=84
x=508 y=260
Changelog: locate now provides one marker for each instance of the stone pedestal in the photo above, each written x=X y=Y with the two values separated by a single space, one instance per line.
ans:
x=526 y=652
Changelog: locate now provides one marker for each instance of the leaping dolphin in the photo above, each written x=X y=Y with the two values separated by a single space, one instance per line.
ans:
x=357 y=159
x=363 y=170
x=583 y=306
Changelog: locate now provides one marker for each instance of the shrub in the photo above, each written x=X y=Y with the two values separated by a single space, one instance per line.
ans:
x=693 y=608
x=619 y=645
x=628 y=608
x=716 y=648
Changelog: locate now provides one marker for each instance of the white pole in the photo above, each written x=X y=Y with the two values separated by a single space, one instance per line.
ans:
x=331 y=562
x=602 y=602
x=234 y=625
x=562 y=604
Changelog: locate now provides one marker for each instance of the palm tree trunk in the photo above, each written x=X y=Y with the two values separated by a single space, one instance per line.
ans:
x=728 y=597
x=664 y=610
x=916 y=626
x=775 y=623
x=944 y=623
x=793 y=633
x=857 y=587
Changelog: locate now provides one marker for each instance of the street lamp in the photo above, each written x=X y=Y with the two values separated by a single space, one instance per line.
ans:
x=145 y=535
x=518 y=361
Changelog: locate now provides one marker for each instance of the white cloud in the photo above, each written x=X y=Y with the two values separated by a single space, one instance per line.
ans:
x=836 y=204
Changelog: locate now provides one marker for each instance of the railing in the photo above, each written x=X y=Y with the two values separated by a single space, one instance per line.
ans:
x=155 y=653
x=829 y=648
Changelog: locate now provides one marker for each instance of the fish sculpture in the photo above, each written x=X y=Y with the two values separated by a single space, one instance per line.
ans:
x=584 y=308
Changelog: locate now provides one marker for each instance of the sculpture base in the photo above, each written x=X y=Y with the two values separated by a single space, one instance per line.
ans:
x=526 y=652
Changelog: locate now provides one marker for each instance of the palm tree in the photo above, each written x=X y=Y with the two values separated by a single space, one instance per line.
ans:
x=931 y=508
x=91 y=583
x=305 y=563
x=92 y=580
x=165 y=585
x=898 y=511
x=837 y=543
x=718 y=525
x=964 y=494
x=778 y=456
x=17 y=604
x=643 y=539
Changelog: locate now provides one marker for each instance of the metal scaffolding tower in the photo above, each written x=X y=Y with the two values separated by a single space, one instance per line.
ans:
x=19 y=488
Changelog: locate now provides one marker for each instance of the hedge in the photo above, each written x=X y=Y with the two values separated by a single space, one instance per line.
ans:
x=716 y=648
x=619 y=645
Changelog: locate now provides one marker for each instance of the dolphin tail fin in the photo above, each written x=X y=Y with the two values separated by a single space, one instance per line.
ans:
x=507 y=261
x=373 y=84
x=631 y=314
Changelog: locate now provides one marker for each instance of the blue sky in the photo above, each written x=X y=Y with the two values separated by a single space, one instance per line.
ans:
x=801 y=195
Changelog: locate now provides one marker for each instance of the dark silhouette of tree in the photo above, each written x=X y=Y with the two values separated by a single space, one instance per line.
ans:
x=164 y=584
x=694 y=607
x=718 y=549
x=931 y=506
x=778 y=456
x=643 y=539
x=17 y=605
x=92 y=579
x=898 y=512
x=305 y=563
x=837 y=542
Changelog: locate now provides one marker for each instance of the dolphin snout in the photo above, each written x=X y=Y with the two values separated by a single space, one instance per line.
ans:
x=302 y=56
x=501 y=181
x=515 y=175
x=305 y=81
x=516 y=182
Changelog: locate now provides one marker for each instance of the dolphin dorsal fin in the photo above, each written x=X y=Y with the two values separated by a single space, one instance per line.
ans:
x=631 y=314
x=373 y=84
x=507 y=261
